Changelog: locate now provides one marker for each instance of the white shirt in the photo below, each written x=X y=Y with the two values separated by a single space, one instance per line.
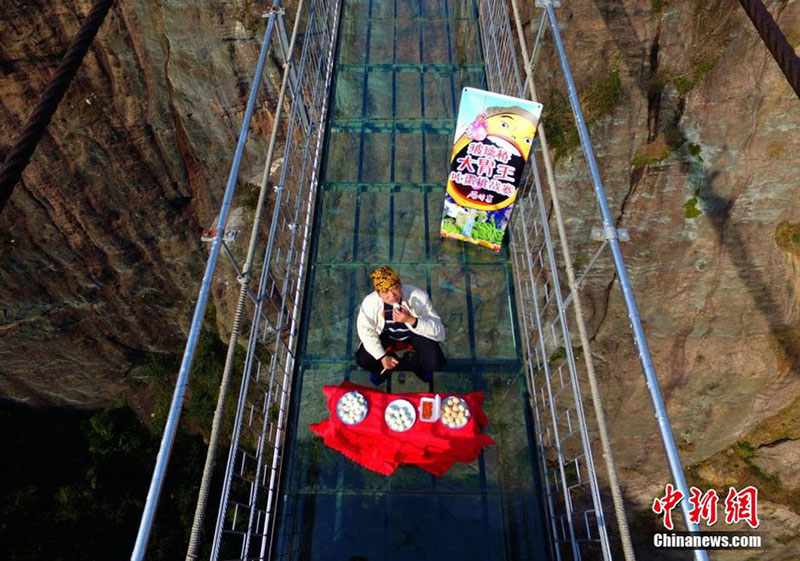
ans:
x=371 y=321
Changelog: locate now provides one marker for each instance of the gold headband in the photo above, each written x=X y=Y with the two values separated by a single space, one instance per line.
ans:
x=384 y=278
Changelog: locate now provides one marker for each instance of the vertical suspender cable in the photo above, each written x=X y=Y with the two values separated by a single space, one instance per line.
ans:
x=21 y=152
x=171 y=427
x=673 y=458
x=244 y=282
x=608 y=456
x=776 y=42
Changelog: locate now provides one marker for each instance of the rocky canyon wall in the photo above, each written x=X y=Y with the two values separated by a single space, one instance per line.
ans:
x=100 y=243
x=697 y=135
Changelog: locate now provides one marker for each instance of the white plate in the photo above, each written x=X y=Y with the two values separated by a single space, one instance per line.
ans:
x=352 y=408
x=449 y=402
x=400 y=415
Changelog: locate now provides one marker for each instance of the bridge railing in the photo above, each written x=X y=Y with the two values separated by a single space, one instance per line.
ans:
x=276 y=259
x=556 y=347
x=247 y=504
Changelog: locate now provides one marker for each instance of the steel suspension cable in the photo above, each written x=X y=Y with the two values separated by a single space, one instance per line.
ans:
x=244 y=281
x=610 y=232
x=165 y=450
x=608 y=456
x=776 y=42
x=21 y=152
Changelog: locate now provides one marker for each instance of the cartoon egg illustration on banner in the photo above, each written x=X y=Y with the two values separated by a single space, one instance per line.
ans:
x=489 y=157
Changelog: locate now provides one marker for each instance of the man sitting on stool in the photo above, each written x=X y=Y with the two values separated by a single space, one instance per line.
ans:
x=396 y=313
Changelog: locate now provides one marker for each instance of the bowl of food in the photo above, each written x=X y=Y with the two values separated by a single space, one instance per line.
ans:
x=400 y=415
x=455 y=412
x=352 y=408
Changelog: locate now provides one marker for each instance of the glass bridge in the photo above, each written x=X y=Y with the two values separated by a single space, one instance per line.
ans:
x=372 y=98
x=400 y=68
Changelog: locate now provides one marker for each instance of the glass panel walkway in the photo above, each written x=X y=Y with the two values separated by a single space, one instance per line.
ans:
x=400 y=68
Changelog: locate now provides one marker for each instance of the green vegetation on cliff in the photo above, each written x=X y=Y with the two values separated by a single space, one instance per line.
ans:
x=74 y=485
x=161 y=369
x=787 y=237
x=690 y=209
x=598 y=100
x=658 y=149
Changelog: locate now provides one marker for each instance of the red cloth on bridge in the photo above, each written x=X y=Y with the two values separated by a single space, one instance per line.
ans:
x=431 y=446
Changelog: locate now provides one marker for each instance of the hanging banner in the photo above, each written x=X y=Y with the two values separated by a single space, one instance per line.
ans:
x=494 y=135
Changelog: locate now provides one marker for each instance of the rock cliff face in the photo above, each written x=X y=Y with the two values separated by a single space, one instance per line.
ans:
x=100 y=248
x=697 y=136
x=698 y=139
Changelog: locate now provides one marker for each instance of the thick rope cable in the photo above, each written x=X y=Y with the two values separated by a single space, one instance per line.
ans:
x=216 y=426
x=776 y=42
x=22 y=151
x=608 y=456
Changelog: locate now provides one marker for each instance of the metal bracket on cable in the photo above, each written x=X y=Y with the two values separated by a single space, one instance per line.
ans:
x=229 y=236
x=276 y=11
x=544 y=3
x=529 y=69
x=239 y=274
x=609 y=233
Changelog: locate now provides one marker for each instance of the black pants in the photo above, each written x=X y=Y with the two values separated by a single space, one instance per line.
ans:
x=428 y=356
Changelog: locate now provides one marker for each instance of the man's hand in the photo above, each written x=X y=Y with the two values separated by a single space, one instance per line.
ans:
x=402 y=315
x=389 y=362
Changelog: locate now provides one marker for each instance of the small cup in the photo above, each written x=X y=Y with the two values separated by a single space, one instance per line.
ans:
x=430 y=408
